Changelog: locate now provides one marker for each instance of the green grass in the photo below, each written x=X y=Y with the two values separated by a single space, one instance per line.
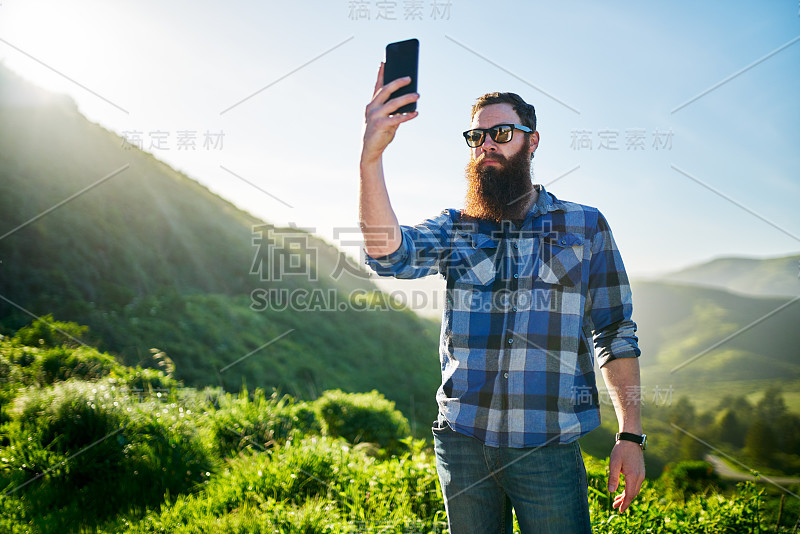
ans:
x=171 y=459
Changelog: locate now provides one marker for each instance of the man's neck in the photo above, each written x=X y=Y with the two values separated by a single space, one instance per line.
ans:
x=527 y=204
x=532 y=199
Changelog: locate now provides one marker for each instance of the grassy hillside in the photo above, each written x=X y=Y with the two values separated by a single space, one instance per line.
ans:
x=749 y=276
x=150 y=258
x=679 y=322
x=89 y=445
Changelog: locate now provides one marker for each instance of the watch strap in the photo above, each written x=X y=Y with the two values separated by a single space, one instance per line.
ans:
x=636 y=438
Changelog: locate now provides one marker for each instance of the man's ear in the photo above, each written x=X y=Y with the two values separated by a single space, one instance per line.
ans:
x=534 y=142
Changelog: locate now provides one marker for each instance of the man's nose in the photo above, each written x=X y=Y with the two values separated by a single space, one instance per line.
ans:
x=488 y=144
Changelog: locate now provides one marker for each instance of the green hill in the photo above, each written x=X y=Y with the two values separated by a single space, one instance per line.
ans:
x=147 y=257
x=749 y=276
x=693 y=335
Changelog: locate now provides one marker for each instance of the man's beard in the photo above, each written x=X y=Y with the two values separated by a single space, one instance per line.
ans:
x=499 y=193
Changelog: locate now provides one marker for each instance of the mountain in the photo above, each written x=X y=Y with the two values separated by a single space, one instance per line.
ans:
x=749 y=276
x=108 y=236
x=693 y=334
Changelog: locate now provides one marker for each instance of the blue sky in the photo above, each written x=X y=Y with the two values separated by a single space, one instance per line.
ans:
x=691 y=178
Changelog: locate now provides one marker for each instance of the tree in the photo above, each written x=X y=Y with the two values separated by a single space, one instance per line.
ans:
x=682 y=413
x=772 y=406
x=692 y=449
x=730 y=430
x=760 y=440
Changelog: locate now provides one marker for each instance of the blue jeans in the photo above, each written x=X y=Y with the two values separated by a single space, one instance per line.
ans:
x=546 y=486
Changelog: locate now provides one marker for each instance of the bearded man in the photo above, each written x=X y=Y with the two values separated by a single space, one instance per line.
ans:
x=530 y=280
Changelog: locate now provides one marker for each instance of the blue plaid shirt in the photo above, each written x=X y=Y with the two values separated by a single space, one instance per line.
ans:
x=523 y=300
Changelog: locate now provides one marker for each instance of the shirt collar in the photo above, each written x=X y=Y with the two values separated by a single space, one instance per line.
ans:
x=546 y=203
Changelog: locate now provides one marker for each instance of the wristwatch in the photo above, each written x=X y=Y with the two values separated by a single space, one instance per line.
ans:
x=636 y=438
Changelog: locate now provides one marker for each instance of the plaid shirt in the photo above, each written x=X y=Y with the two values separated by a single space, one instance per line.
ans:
x=522 y=302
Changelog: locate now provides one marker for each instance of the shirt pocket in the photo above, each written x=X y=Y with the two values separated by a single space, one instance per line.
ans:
x=472 y=261
x=562 y=258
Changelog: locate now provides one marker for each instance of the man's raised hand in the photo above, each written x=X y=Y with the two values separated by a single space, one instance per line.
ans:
x=380 y=125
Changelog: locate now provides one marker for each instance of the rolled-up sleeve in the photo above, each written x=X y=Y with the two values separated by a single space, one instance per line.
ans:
x=610 y=299
x=421 y=251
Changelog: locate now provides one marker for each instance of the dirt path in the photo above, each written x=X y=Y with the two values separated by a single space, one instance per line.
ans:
x=726 y=472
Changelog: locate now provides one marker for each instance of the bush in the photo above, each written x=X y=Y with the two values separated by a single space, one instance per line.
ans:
x=191 y=516
x=363 y=417
x=312 y=485
x=683 y=479
x=47 y=333
x=146 y=382
x=78 y=446
x=62 y=363
x=259 y=423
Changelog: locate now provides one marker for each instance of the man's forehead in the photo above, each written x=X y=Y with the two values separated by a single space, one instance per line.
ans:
x=494 y=114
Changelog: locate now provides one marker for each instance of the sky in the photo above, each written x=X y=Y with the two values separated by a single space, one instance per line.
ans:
x=678 y=120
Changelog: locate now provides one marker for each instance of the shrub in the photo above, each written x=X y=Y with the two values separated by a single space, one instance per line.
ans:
x=192 y=516
x=242 y=423
x=144 y=382
x=363 y=417
x=47 y=332
x=79 y=445
x=62 y=363
x=683 y=479
x=303 y=469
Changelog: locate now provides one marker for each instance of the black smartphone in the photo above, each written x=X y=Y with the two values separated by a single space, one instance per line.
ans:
x=402 y=59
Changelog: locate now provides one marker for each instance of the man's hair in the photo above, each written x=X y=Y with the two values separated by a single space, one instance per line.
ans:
x=526 y=112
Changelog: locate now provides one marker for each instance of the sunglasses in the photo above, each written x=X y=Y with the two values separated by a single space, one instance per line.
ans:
x=502 y=133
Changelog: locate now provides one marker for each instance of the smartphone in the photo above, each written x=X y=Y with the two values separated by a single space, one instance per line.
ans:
x=402 y=59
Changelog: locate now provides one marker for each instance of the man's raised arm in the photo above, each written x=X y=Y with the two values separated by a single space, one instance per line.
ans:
x=378 y=222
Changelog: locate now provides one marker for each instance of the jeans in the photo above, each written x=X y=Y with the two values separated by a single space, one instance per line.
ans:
x=546 y=486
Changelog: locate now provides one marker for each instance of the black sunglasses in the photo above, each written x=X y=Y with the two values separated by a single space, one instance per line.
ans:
x=502 y=133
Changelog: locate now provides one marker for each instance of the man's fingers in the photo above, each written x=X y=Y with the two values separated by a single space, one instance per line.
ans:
x=386 y=91
x=626 y=501
x=622 y=501
x=381 y=98
x=613 y=473
x=634 y=485
x=393 y=121
x=404 y=117
x=375 y=110
x=379 y=81
x=396 y=103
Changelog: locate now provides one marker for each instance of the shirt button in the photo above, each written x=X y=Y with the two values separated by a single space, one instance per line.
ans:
x=516 y=245
x=516 y=275
x=563 y=241
x=514 y=308
x=505 y=375
x=511 y=340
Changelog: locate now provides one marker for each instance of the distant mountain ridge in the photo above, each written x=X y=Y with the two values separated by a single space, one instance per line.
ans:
x=150 y=258
x=690 y=333
x=748 y=276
